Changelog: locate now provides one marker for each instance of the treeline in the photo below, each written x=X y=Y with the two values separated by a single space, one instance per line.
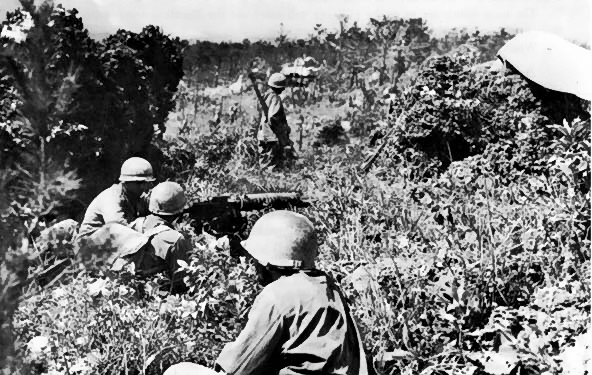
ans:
x=390 y=45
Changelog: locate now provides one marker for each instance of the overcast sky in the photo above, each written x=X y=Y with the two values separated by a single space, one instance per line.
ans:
x=260 y=19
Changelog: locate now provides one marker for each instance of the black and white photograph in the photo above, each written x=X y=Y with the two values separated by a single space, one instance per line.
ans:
x=295 y=187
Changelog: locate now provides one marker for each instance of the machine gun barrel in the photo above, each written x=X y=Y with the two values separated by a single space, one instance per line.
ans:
x=228 y=204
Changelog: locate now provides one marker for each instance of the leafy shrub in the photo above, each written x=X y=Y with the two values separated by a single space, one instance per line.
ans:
x=458 y=111
x=330 y=134
x=65 y=125
x=85 y=103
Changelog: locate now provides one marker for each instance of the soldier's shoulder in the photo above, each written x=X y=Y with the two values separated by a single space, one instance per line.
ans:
x=111 y=193
x=171 y=236
x=294 y=285
x=301 y=288
x=114 y=191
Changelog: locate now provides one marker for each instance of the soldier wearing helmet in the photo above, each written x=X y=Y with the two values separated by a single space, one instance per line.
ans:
x=117 y=206
x=165 y=245
x=300 y=323
x=275 y=146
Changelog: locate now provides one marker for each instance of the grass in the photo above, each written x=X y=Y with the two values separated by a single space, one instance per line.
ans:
x=444 y=275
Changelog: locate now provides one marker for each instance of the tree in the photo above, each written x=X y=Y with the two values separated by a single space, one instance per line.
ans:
x=398 y=43
x=83 y=105
x=42 y=62
x=47 y=59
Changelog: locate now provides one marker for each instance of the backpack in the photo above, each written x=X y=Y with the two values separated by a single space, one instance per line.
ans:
x=124 y=257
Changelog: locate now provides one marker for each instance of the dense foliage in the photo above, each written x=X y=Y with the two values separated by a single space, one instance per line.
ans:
x=455 y=110
x=464 y=250
x=79 y=102
x=71 y=110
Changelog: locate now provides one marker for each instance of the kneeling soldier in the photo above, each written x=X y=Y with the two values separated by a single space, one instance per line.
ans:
x=300 y=322
x=165 y=245
x=105 y=227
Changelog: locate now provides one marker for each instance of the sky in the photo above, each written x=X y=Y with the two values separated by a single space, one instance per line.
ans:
x=235 y=20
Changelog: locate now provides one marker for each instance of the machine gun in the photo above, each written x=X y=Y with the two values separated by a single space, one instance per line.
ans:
x=221 y=215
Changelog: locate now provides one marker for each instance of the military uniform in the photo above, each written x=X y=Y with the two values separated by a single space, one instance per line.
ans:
x=111 y=206
x=106 y=221
x=165 y=248
x=274 y=134
x=299 y=324
x=156 y=245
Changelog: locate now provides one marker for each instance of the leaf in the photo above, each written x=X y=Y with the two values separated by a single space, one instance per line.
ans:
x=449 y=317
x=405 y=333
x=500 y=363
x=37 y=344
x=471 y=238
x=97 y=287
x=576 y=359
x=564 y=167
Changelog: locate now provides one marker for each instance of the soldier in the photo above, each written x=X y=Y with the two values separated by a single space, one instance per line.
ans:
x=300 y=322
x=275 y=146
x=105 y=223
x=165 y=245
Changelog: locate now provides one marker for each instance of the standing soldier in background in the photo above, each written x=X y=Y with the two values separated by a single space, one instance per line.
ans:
x=300 y=323
x=105 y=223
x=275 y=146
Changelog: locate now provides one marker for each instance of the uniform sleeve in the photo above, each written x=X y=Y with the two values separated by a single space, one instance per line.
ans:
x=113 y=211
x=253 y=350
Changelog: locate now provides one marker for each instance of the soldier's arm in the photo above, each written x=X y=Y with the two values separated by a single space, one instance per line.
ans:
x=253 y=350
x=113 y=211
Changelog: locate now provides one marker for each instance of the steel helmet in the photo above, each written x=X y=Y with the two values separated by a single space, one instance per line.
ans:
x=136 y=169
x=283 y=239
x=167 y=198
x=277 y=80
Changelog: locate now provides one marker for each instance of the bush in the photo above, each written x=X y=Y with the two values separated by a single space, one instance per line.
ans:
x=330 y=134
x=68 y=118
x=458 y=111
x=83 y=103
